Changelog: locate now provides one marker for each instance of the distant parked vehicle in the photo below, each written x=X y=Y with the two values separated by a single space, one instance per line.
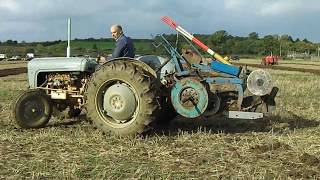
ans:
x=15 y=58
x=29 y=56
x=3 y=56
x=235 y=58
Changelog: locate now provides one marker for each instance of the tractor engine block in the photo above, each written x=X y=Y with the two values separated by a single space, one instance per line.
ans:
x=68 y=86
x=63 y=81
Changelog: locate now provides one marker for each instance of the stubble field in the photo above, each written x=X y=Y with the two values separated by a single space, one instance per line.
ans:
x=284 y=145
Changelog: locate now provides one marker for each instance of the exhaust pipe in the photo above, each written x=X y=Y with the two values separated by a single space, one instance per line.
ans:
x=69 y=37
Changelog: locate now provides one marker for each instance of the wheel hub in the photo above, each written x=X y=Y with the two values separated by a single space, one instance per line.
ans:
x=189 y=97
x=33 y=110
x=120 y=102
x=117 y=102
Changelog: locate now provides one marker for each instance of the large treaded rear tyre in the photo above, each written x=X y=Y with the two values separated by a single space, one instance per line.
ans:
x=31 y=109
x=122 y=73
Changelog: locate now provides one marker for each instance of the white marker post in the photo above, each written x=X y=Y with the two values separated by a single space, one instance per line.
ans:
x=69 y=37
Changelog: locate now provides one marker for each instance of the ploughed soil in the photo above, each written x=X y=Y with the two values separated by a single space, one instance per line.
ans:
x=12 y=71
x=314 y=71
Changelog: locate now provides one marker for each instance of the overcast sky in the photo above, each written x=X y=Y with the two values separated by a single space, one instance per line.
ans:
x=46 y=20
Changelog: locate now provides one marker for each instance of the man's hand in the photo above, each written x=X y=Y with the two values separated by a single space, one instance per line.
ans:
x=101 y=59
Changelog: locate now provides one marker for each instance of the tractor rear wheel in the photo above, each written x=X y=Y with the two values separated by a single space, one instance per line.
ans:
x=120 y=99
x=32 y=109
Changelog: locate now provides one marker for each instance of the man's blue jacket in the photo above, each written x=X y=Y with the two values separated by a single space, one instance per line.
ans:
x=124 y=47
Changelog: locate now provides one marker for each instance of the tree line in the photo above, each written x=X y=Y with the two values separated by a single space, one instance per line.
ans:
x=252 y=45
x=220 y=41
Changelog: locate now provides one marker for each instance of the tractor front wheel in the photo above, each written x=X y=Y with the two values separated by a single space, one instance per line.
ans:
x=32 y=109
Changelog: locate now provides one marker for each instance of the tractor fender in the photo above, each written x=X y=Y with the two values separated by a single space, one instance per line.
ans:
x=137 y=62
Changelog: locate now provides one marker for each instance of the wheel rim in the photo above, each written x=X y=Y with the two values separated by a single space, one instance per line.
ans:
x=119 y=102
x=32 y=110
x=114 y=117
x=189 y=97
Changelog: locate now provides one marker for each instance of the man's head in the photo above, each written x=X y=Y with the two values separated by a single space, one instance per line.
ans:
x=116 y=31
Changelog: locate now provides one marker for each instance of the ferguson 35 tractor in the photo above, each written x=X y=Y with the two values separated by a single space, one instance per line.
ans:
x=270 y=60
x=124 y=96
